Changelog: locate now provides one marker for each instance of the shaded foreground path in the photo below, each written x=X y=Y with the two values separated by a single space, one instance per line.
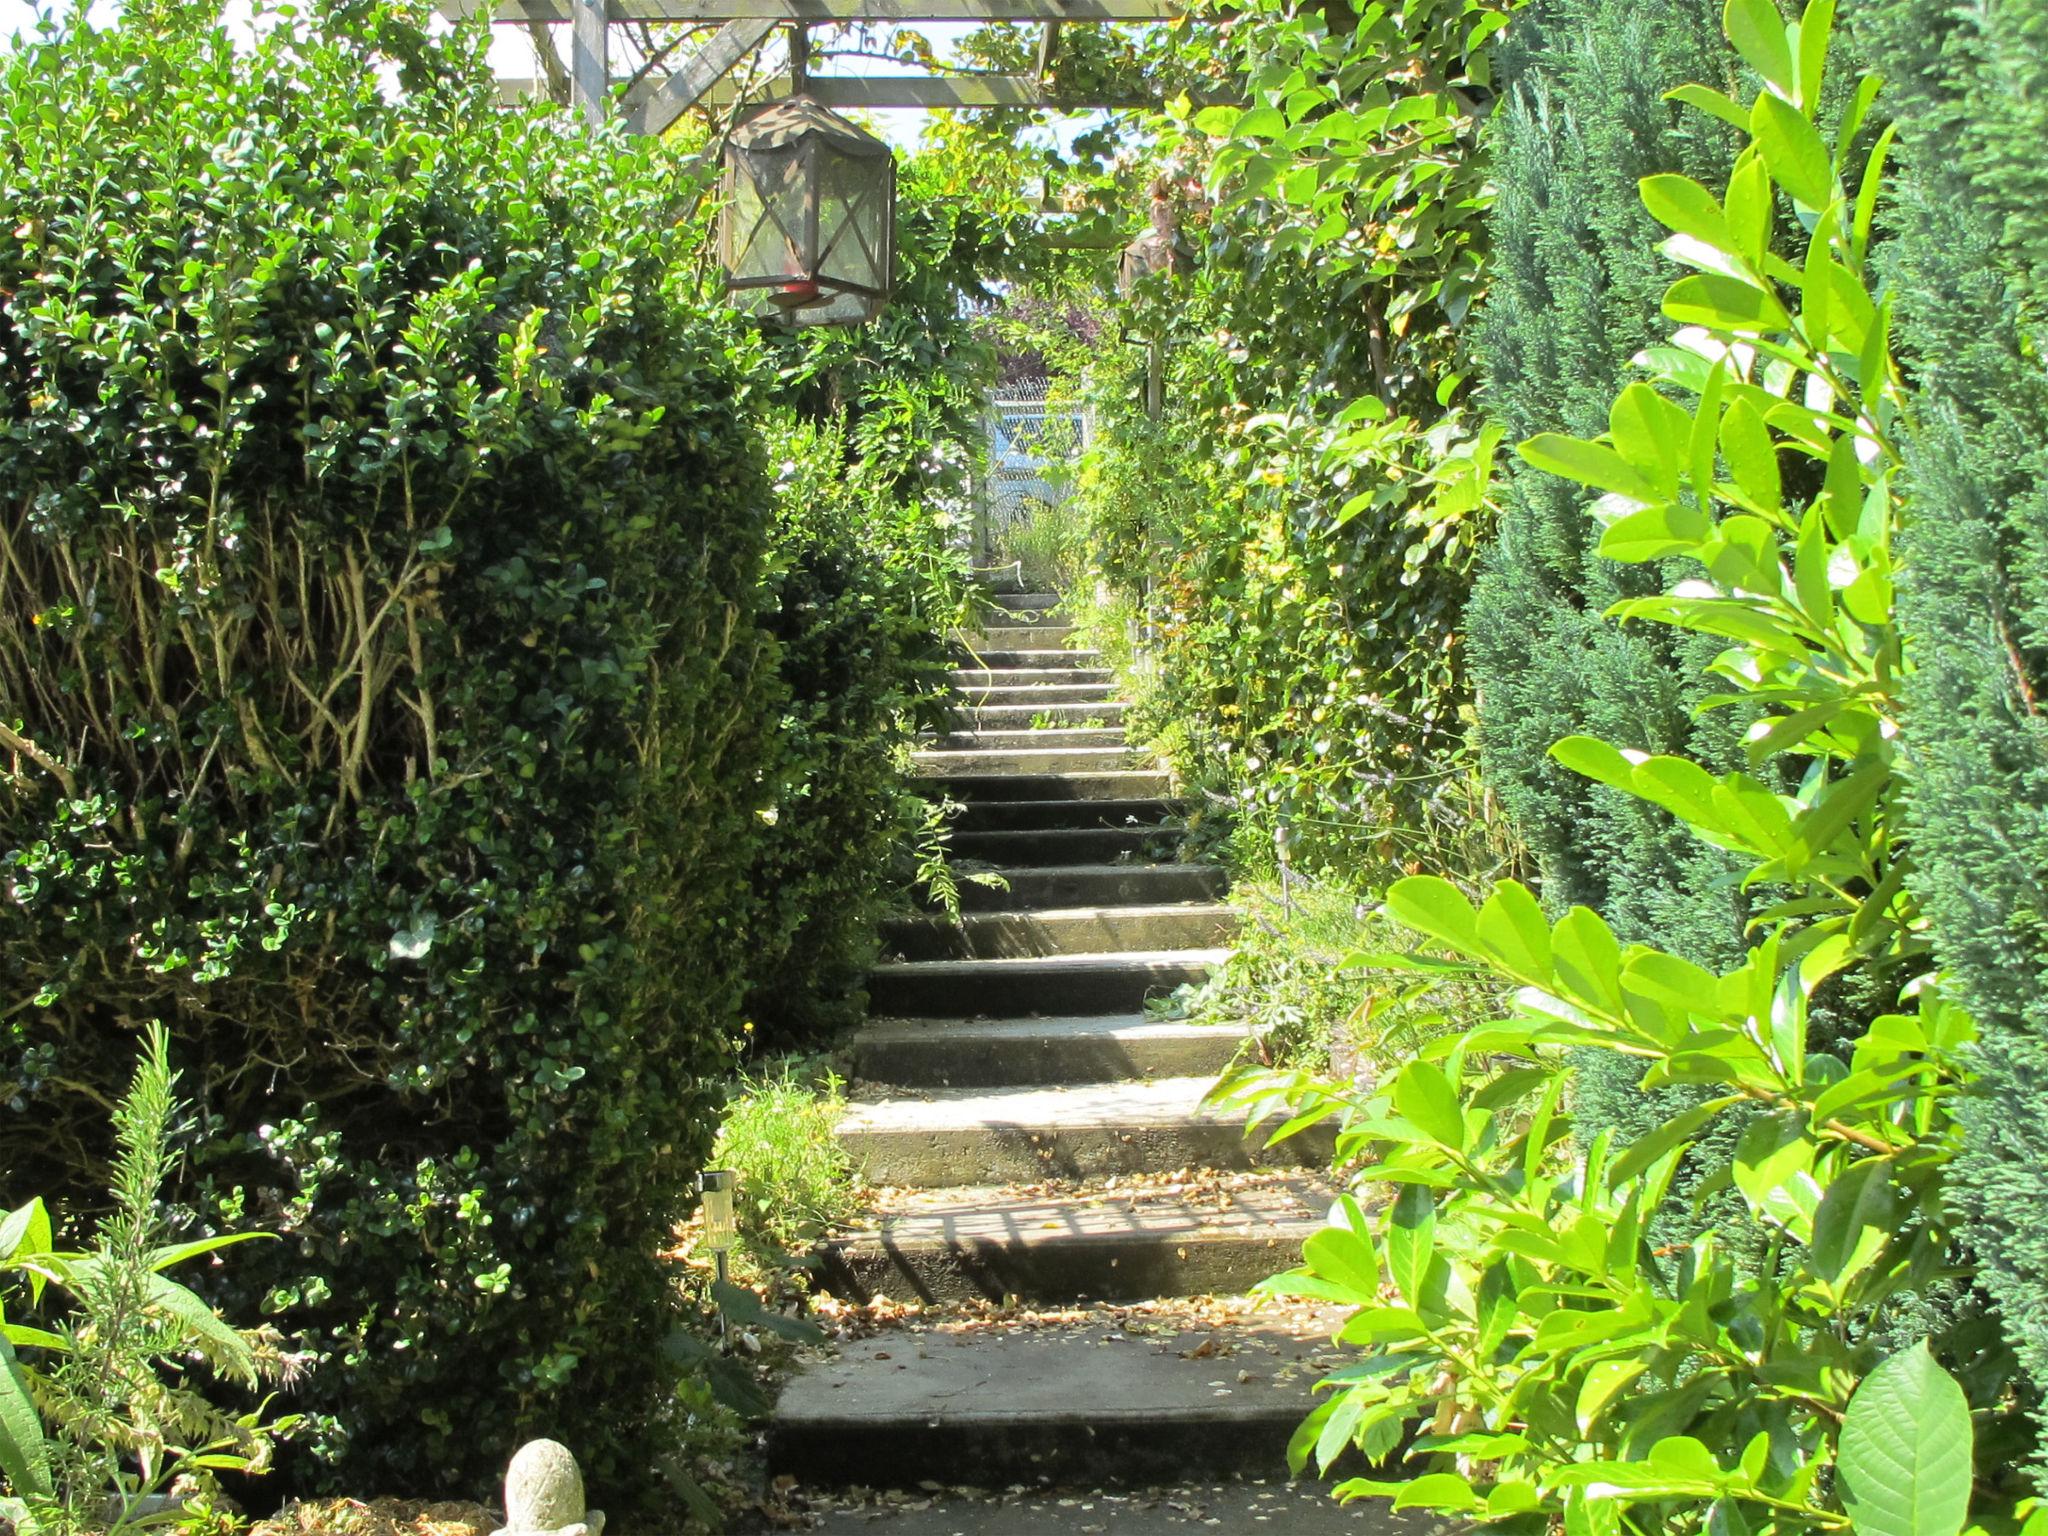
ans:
x=1039 y=1143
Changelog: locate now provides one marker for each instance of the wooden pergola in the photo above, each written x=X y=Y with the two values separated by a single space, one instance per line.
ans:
x=653 y=105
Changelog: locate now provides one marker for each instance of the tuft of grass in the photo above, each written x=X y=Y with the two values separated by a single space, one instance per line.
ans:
x=1287 y=977
x=796 y=1181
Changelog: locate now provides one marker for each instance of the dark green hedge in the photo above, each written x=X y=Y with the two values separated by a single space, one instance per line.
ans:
x=379 y=650
x=1969 y=87
x=1577 y=280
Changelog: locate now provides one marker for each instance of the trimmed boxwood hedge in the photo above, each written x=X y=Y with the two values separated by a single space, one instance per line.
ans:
x=383 y=698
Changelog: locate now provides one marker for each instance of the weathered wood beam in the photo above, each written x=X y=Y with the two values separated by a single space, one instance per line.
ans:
x=707 y=66
x=826 y=10
x=932 y=93
x=589 y=60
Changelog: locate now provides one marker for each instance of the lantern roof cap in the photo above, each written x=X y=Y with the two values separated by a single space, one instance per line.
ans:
x=786 y=123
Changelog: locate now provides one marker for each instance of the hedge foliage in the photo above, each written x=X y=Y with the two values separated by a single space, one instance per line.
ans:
x=413 y=690
x=1576 y=284
x=1969 y=87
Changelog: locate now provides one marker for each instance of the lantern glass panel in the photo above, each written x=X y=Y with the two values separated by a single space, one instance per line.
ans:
x=808 y=228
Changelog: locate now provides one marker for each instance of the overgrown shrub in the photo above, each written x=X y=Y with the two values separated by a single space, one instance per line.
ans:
x=864 y=586
x=1970 y=90
x=380 y=706
x=1576 y=283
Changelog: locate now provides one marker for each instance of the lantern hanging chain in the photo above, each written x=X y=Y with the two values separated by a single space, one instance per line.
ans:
x=799 y=58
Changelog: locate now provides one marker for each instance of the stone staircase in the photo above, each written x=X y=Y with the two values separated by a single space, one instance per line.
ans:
x=1040 y=1141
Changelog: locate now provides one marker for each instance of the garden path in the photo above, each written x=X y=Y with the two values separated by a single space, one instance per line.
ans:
x=1054 y=1196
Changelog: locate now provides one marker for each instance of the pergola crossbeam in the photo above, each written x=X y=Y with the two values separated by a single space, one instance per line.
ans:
x=823 y=11
x=700 y=76
x=932 y=93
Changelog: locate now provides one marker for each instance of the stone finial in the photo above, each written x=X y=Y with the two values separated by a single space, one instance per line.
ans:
x=544 y=1494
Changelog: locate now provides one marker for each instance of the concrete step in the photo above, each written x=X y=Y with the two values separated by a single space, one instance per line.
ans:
x=1038 y=738
x=1078 y=1404
x=1043 y=984
x=1016 y=815
x=999 y=1053
x=1075 y=1131
x=1066 y=845
x=971 y=681
x=1050 y=635
x=1035 y=658
x=1029 y=760
x=1036 y=696
x=1258 y=1506
x=1096 y=885
x=1059 y=931
x=1127 y=784
x=1026 y=602
x=1021 y=717
x=1095 y=1245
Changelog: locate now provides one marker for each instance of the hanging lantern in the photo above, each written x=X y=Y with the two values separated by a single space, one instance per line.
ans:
x=809 y=230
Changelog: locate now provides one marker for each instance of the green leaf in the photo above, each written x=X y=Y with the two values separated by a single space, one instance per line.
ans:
x=1651 y=433
x=1588 y=463
x=1436 y=907
x=1758 y=33
x=1604 y=1381
x=1423 y=1097
x=215 y=1339
x=1667 y=1137
x=1344 y=1259
x=1707 y=99
x=1655 y=533
x=24 y=1455
x=1722 y=304
x=1752 y=457
x=1907 y=1444
x=1515 y=932
x=1857 y=1217
x=1587 y=959
x=1816 y=28
x=26 y=1231
x=1682 y=204
x=1793 y=151
x=1411 y=1242
x=175 y=1254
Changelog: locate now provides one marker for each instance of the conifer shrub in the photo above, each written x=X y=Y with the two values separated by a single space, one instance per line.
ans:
x=1969 y=87
x=1576 y=282
x=382 y=694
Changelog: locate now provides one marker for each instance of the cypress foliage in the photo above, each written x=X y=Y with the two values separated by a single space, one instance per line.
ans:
x=1577 y=281
x=1969 y=86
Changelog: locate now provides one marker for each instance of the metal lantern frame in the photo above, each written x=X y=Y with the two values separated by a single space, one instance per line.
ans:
x=781 y=165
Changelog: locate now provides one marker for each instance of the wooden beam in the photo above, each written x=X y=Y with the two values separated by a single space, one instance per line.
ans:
x=707 y=66
x=932 y=93
x=826 y=10
x=589 y=60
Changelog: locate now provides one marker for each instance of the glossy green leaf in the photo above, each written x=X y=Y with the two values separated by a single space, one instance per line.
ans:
x=1424 y=1097
x=1588 y=463
x=1514 y=931
x=1906 y=1456
x=1758 y=33
x=1435 y=907
x=1793 y=151
x=24 y=1455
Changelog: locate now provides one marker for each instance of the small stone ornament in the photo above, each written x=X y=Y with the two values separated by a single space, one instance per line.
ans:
x=544 y=1494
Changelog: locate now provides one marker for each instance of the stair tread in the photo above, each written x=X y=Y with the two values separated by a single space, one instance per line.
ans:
x=1137 y=910
x=1079 y=1373
x=1095 y=959
x=1103 y=1026
x=1070 y=1106
x=1289 y=1205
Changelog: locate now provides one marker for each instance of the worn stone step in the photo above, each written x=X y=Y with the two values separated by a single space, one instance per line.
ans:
x=1095 y=885
x=1044 y=984
x=1090 y=1404
x=1026 y=602
x=999 y=1053
x=1213 y=1235
x=1023 y=760
x=1017 y=637
x=1037 y=738
x=1014 y=1135
x=1001 y=581
x=1036 y=696
x=1035 y=658
x=1015 y=815
x=972 y=681
x=1019 y=717
x=1059 y=931
x=1254 y=1506
x=1066 y=845
x=1126 y=784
